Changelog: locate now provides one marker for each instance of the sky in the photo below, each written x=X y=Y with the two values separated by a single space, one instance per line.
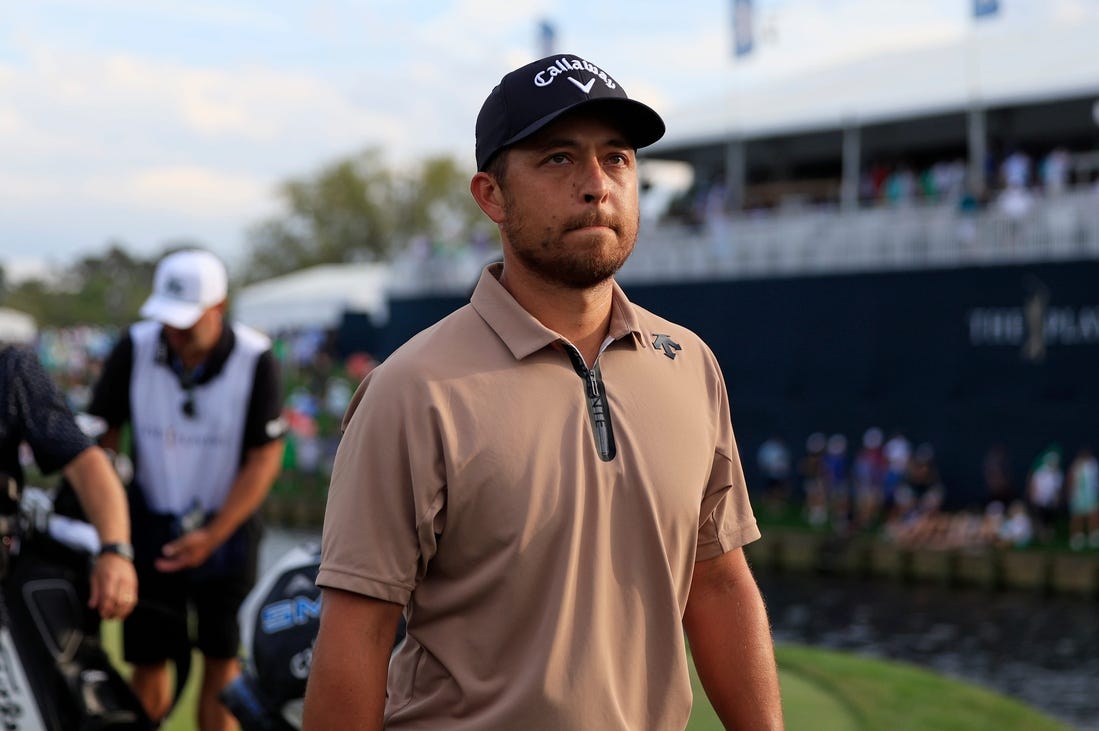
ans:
x=151 y=122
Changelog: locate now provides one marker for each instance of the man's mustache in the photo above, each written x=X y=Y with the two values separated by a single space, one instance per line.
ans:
x=593 y=219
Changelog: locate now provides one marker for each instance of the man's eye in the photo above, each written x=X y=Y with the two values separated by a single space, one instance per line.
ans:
x=560 y=157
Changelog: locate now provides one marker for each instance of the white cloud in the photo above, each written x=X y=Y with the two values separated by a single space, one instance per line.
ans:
x=121 y=111
x=186 y=190
x=166 y=136
x=798 y=37
x=19 y=189
x=1076 y=11
x=99 y=95
x=21 y=268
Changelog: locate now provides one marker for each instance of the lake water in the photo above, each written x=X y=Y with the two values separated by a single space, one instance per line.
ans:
x=1042 y=650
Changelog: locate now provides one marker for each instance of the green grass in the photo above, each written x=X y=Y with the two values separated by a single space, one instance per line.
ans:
x=821 y=691
x=805 y=705
x=832 y=691
x=182 y=717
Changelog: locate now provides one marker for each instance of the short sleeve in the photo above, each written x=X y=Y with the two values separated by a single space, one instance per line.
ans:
x=264 y=421
x=111 y=395
x=726 y=520
x=47 y=423
x=386 y=499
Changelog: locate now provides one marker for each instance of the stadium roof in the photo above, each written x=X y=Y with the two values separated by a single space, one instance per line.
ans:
x=994 y=66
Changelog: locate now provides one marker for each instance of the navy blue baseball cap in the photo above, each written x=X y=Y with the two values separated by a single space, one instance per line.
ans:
x=529 y=98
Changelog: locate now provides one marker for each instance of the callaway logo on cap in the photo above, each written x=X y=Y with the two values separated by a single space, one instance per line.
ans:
x=529 y=98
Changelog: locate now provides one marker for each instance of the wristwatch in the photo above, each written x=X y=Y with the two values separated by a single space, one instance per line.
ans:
x=125 y=550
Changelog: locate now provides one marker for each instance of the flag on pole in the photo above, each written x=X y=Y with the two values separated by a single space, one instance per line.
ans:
x=547 y=38
x=985 y=8
x=743 y=36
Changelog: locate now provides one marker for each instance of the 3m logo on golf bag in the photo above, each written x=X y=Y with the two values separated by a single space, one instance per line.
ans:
x=278 y=624
x=301 y=663
x=288 y=613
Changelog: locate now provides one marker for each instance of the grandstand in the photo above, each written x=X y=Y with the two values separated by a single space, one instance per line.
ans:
x=964 y=317
x=833 y=306
x=977 y=98
x=870 y=239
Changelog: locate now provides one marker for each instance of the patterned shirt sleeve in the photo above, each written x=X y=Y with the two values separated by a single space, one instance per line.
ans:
x=39 y=407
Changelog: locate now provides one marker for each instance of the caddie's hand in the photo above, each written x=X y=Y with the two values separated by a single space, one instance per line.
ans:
x=113 y=586
x=186 y=552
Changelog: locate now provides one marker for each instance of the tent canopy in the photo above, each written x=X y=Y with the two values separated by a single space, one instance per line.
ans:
x=17 y=327
x=317 y=297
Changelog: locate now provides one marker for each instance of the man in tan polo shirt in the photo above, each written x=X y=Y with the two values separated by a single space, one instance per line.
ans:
x=545 y=482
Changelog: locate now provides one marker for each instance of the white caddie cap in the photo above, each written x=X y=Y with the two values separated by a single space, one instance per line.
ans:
x=186 y=284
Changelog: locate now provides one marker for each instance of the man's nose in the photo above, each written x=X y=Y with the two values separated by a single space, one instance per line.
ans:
x=594 y=184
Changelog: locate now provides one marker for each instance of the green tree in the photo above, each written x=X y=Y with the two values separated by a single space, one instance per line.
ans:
x=358 y=209
x=438 y=205
x=105 y=289
x=111 y=287
x=344 y=213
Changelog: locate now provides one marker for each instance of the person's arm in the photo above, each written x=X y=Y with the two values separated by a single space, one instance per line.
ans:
x=113 y=581
x=253 y=482
x=730 y=639
x=346 y=686
x=58 y=443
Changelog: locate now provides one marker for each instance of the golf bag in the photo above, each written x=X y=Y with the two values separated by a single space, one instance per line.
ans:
x=278 y=626
x=54 y=673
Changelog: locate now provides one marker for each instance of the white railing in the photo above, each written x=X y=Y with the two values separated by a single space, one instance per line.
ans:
x=793 y=243
x=916 y=237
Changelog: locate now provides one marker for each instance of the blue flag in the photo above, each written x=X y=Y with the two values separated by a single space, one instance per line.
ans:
x=985 y=8
x=547 y=38
x=743 y=37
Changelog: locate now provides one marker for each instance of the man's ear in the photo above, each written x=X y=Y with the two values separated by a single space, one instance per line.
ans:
x=488 y=195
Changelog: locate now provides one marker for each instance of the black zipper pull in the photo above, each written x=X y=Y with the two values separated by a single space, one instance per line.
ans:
x=593 y=384
x=598 y=409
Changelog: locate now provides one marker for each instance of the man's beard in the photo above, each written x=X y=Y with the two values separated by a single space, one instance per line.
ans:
x=575 y=267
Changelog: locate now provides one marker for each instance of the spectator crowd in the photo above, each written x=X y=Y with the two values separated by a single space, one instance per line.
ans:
x=885 y=484
x=889 y=486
